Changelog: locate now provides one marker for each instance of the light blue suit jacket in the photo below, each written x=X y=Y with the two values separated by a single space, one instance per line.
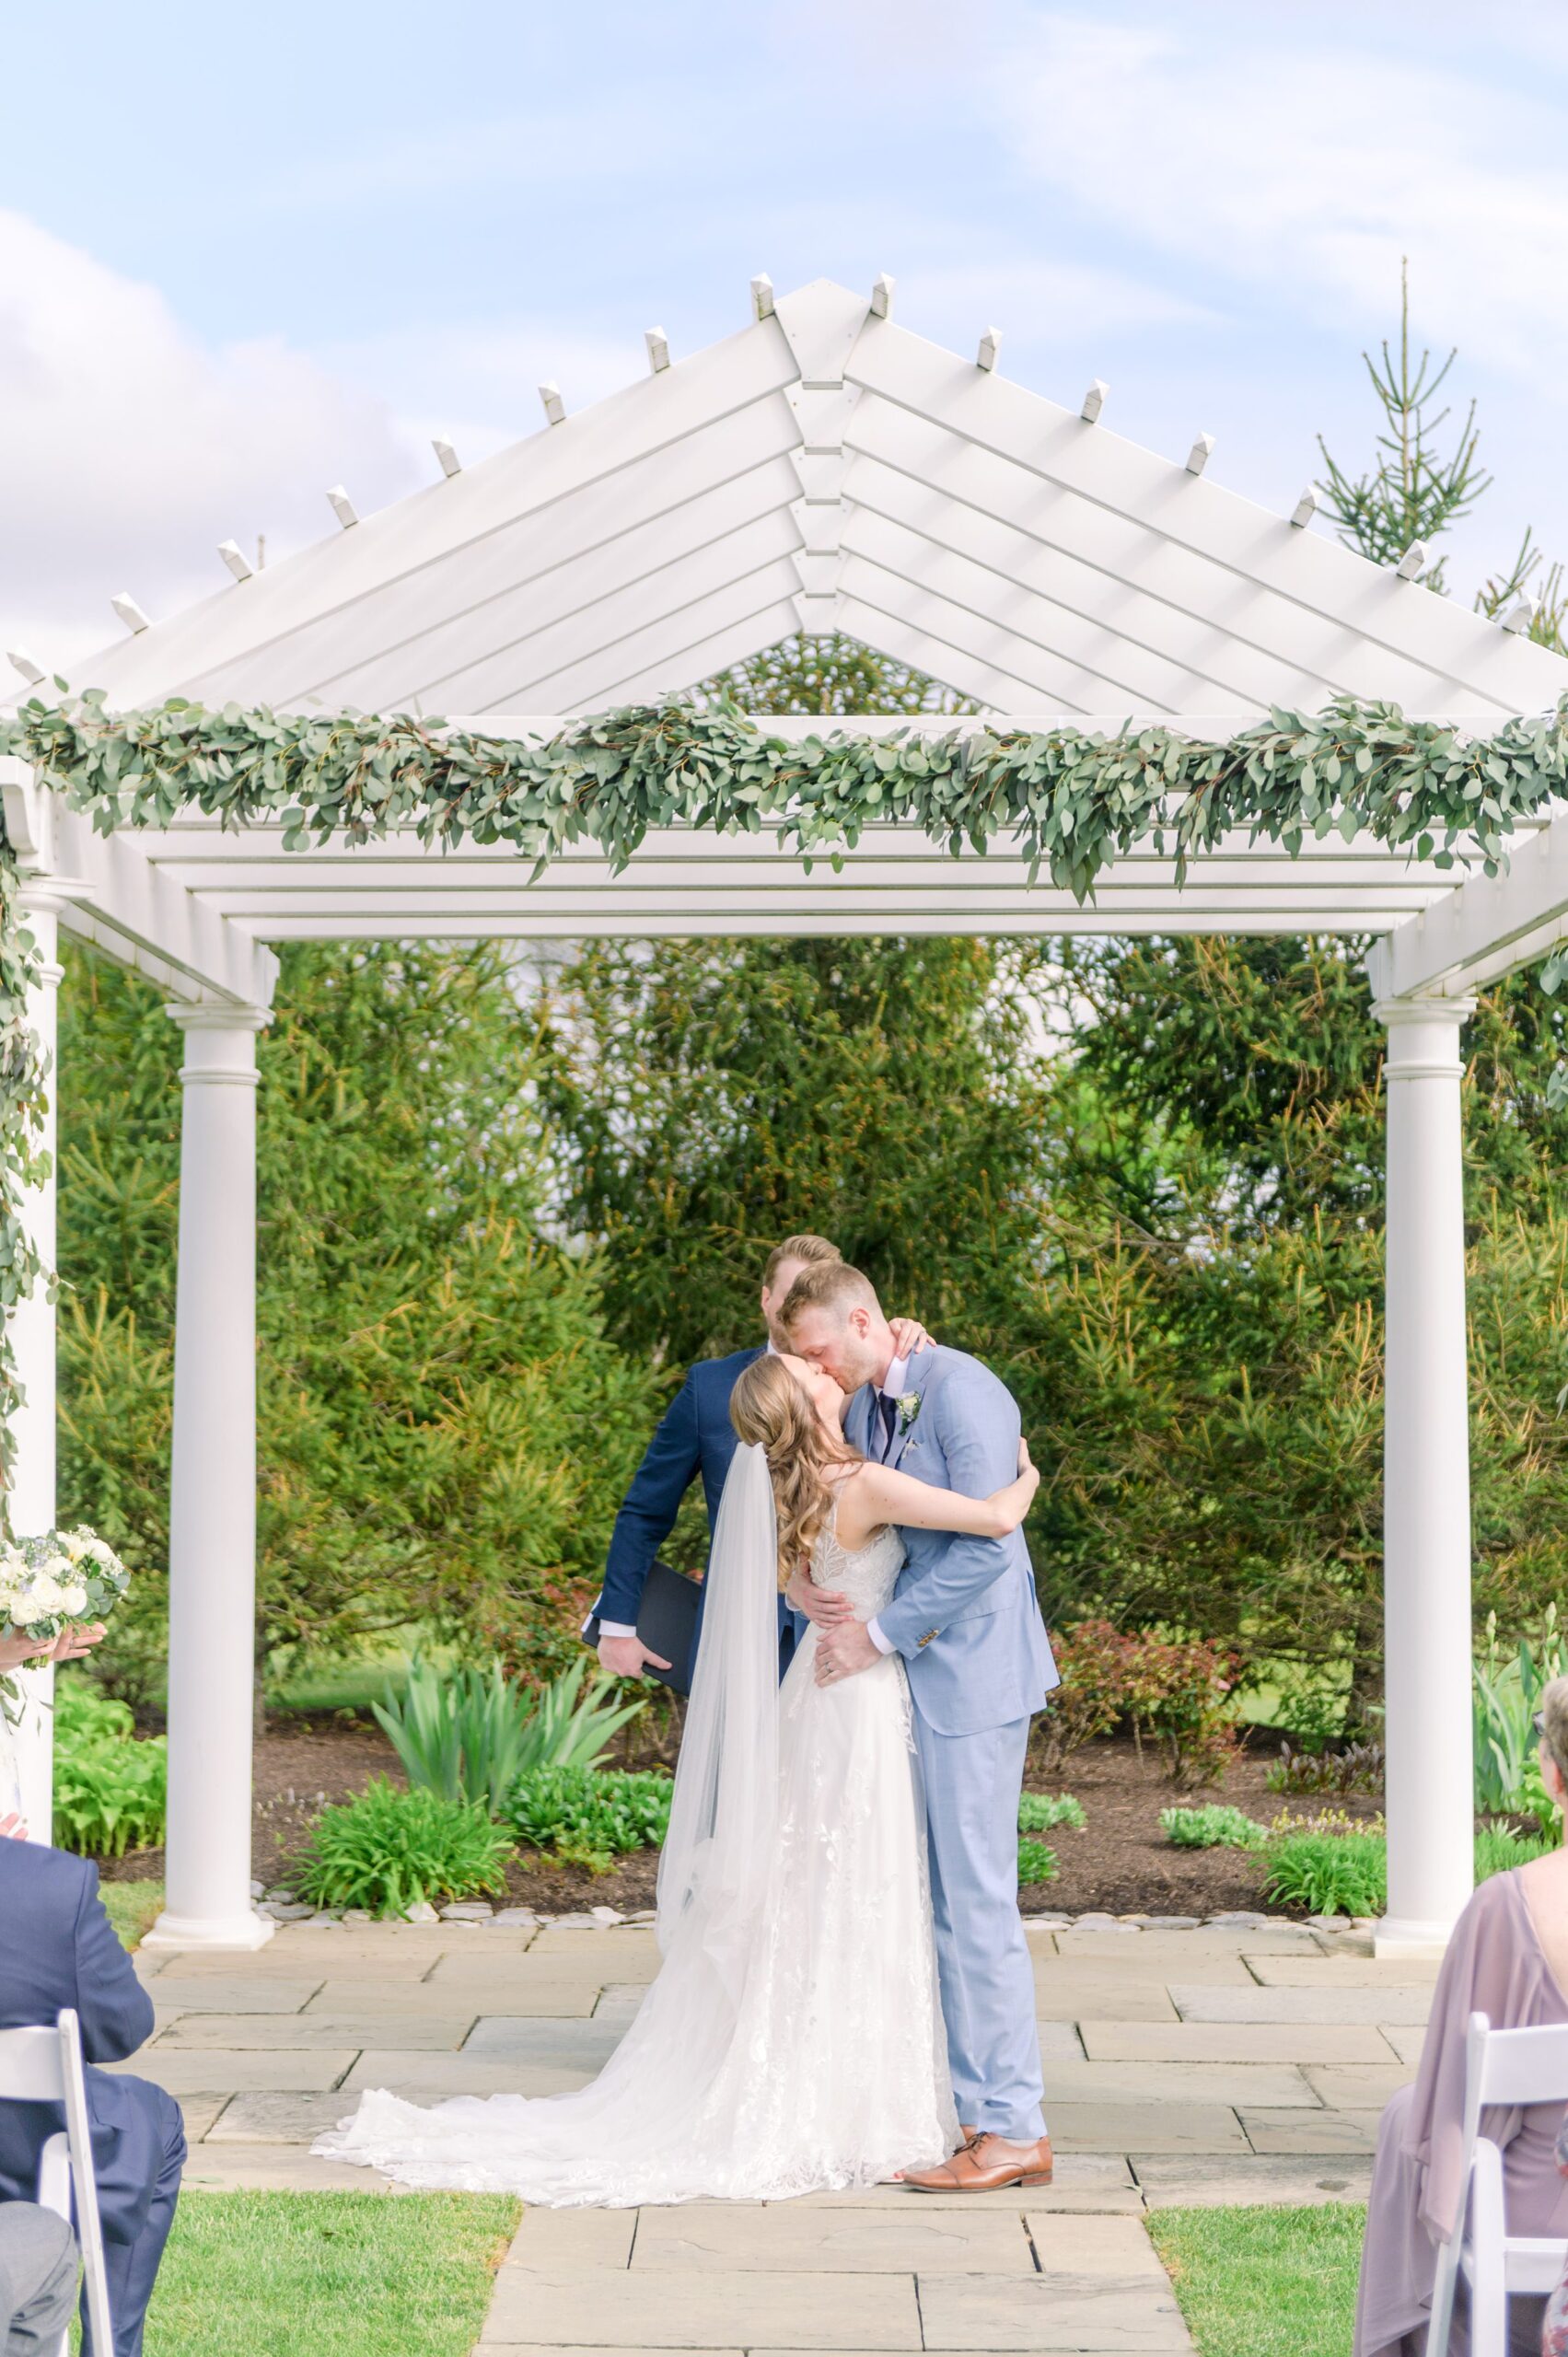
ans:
x=964 y=1614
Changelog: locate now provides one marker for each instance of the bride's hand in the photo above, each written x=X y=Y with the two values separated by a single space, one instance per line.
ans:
x=823 y=1606
x=79 y=1637
x=1026 y=1462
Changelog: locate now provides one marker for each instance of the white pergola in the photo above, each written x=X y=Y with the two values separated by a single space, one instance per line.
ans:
x=823 y=470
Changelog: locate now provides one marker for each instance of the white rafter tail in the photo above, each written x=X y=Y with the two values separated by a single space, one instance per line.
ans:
x=1306 y=508
x=236 y=558
x=1518 y=618
x=1202 y=450
x=762 y=295
x=342 y=507
x=1094 y=402
x=20 y=660
x=990 y=350
x=882 y=297
x=451 y=462
x=659 y=350
x=130 y=613
x=554 y=407
x=1412 y=564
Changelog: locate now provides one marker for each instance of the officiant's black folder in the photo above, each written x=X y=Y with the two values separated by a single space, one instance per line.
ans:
x=667 y=1623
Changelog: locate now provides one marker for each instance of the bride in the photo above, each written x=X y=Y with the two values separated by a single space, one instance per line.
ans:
x=793 y=2039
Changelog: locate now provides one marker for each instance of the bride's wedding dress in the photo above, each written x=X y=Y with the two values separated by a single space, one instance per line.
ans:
x=793 y=2040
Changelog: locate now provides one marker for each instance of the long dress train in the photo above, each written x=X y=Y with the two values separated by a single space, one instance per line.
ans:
x=793 y=2040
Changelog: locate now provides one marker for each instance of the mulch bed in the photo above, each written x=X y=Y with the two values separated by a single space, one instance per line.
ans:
x=1122 y=1862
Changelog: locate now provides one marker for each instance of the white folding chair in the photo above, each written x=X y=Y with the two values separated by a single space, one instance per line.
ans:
x=1502 y=2067
x=45 y=2066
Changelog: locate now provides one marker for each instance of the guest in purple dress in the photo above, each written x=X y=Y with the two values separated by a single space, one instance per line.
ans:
x=1507 y=1958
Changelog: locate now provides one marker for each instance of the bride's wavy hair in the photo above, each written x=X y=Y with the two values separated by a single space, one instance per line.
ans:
x=769 y=1410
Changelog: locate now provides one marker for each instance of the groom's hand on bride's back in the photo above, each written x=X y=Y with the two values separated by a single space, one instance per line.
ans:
x=627 y=1656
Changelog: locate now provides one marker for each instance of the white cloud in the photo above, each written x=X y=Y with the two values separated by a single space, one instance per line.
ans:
x=607 y=139
x=1041 y=297
x=128 y=449
x=1308 y=167
x=478 y=382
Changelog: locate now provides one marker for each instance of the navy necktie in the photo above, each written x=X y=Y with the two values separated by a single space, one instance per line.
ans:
x=889 y=1408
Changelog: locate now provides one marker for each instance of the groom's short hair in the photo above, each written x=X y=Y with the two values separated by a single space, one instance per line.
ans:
x=832 y=1284
x=815 y=1252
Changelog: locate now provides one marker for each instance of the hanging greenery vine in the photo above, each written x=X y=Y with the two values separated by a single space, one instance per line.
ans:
x=1066 y=800
x=22 y=1164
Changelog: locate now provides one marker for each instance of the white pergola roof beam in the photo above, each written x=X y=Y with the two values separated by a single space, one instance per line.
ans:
x=1102 y=609
x=322 y=583
x=1201 y=524
x=965 y=525
x=429 y=630
x=131 y=908
x=1486 y=927
x=1308 y=654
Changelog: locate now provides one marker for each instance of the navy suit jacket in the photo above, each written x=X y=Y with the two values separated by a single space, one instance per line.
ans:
x=58 y=1948
x=695 y=1436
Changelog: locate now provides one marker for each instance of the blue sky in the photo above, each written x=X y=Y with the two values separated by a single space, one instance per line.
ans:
x=247 y=253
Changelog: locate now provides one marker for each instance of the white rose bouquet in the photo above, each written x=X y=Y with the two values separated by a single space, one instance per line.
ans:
x=49 y=1582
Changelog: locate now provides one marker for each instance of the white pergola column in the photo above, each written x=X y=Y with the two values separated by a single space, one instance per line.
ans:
x=1426 y=1506
x=32 y=1341
x=212 y=1541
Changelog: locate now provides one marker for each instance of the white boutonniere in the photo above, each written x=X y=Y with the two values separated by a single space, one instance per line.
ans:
x=908 y=1405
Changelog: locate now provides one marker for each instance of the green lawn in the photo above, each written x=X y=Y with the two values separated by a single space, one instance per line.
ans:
x=358 y=2274
x=133 y=1907
x=1265 y=2283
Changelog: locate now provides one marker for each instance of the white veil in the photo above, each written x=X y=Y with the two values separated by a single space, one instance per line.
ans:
x=719 y=1851
x=643 y=2130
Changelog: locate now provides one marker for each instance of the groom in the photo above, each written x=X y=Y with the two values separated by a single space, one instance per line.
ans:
x=696 y=1437
x=965 y=1618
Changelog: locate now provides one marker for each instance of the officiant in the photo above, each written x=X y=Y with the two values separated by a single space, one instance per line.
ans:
x=695 y=1436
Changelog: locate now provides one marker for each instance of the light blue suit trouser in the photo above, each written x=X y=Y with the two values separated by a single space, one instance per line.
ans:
x=972 y=1783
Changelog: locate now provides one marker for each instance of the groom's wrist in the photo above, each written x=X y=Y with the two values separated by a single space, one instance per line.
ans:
x=874 y=1630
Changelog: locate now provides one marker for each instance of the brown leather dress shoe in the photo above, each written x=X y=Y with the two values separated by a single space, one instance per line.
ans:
x=969 y=2171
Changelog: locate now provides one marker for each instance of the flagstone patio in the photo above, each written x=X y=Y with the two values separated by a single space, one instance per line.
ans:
x=1216 y=2064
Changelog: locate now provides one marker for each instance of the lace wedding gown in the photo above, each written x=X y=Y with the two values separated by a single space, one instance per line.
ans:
x=793 y=2040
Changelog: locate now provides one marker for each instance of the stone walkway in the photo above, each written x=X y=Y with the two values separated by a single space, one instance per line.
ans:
x=1219 y=2064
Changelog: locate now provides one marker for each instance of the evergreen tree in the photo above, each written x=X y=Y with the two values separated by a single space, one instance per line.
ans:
x=442 y=1421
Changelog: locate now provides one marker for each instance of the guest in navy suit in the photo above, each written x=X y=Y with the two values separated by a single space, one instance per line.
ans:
x=58 y=1948
x=696 y=1436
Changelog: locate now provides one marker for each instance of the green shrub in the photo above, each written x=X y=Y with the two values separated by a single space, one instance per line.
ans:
x=1036 y=1863
x=111 y=1790
x=469 y=1734
x=1213 y=1828
x=1333 y=1872
x=1328 y=1874
x=590 y=1816
x=1173 y=1693
x=386 y=1850
x=429 y=1355
x=1039 y=1812
x=1507 y=1696
x=1496 y=1851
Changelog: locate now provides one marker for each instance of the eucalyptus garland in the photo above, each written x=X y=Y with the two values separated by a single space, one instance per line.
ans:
x=22 y=1164
x=1066 y=800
